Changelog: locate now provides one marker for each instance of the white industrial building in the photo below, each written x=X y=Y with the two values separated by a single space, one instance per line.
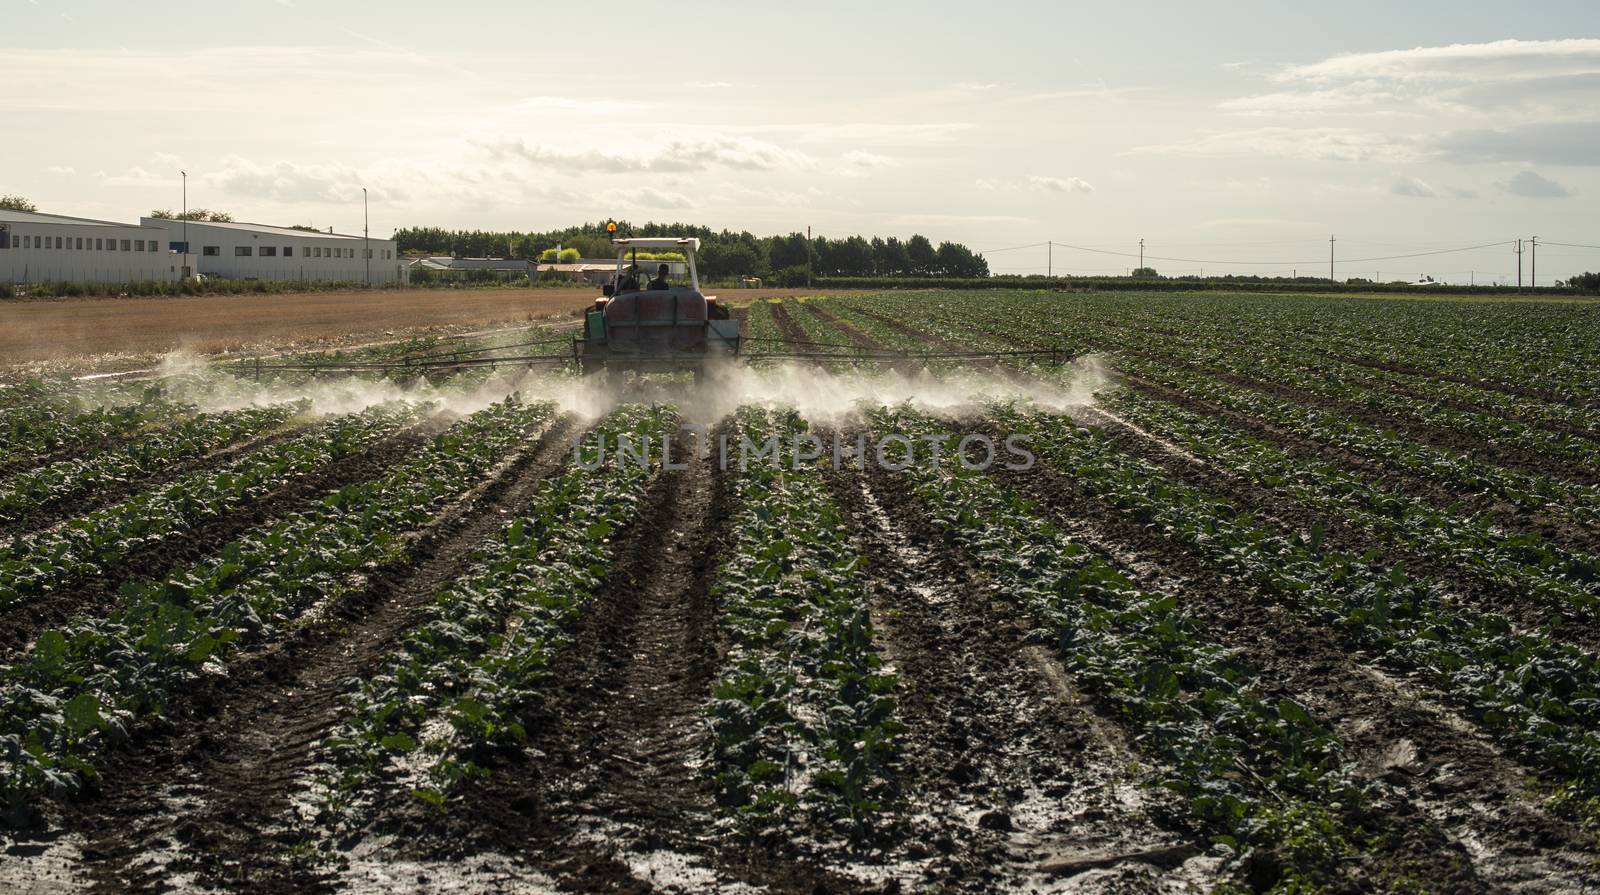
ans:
x=40 y=248
x=241 y=251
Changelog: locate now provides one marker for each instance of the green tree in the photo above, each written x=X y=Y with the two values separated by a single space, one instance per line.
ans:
x=202 y=214
x=730 y=259
x=920 y=252
x=893 y=260
x=17 y=203
x=1145 y=273
x=789 y=251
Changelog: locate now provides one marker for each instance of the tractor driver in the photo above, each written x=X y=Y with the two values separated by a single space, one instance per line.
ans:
x=630 y=281
x=660 y=284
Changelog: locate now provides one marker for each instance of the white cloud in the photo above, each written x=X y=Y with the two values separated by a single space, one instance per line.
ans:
x=1558 y=143
x=709 y=85
x=62 y=171
x=1059 y=184
x=1314 y=144
x=1413 y=188
x=1530 y=185
x=857 y=158
x=647 y=197
x=1457 y=62
x=288 y=182
x=673 y=155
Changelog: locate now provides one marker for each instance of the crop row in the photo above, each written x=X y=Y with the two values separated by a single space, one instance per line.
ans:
x=1212 y=354
x=1256 y=773
x=1566 y=583
x=28 y=492
x=803 y=715
x=462 y=680
x=85 y=546
x=1533 y=493
x=97 y=679
x=1539 y=696
x=36 y=430
x=988 y=326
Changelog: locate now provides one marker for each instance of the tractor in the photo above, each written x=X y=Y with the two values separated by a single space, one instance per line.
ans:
x=633 y=327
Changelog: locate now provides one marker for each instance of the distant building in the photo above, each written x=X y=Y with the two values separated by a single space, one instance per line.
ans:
x=42 y=248
x=243 y=251
x=444 y=269
x=600 y=271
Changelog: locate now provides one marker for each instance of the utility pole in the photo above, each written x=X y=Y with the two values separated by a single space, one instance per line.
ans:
x=1533 y=275
x=366 y=236
x=1330 y=257
x=1518 y=250
x=1141 y=252
x=185 y=211
x=1049 y=259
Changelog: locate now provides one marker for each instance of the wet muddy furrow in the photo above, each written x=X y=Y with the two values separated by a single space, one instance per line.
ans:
x=1463 y=818
x=20 y=624
x=610 y=794
x=787 y=327
x=1010 y=780
x=211 y=801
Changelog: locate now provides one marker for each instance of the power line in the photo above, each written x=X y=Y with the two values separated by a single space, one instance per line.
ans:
x=1572 y=245
x=1487 y=245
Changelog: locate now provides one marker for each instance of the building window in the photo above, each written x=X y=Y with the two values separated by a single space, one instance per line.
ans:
x=100 y=245
x=127 y=245
x=80 y=243
x=316 y=252
x=58 y=242
x=241 y=251
x=269 y=251
x=138 y=245
x=210 y=251
x=154 y=246
x=288 y=251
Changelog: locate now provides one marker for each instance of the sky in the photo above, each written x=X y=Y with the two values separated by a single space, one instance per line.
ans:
x=1229 y=136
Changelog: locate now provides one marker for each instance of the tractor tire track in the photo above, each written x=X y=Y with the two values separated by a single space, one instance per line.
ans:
x=1006 y=767
x=214 y=799
x=1464 y=820
x=20 y=624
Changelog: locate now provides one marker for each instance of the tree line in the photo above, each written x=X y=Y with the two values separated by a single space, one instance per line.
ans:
x=723 y=253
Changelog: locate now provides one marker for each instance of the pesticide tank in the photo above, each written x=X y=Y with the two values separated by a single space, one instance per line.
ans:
x=656 y=322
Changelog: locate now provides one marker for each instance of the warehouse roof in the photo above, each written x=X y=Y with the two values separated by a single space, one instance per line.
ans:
x=261 y=228
x=35 y=217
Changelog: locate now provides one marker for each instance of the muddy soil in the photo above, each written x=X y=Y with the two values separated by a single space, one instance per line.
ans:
x=1461 y=815
x=611 y=793
x=1010 y=779
x=208 y=802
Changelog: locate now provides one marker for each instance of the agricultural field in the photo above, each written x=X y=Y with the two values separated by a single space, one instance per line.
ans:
x=934 y=591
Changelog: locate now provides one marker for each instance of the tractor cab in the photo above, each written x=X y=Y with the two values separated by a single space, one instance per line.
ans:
x=655 y=327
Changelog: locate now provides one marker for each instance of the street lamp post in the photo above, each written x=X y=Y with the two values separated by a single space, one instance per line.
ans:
x=366 y=239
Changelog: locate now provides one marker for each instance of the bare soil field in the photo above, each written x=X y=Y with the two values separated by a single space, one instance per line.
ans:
x=58 y=329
